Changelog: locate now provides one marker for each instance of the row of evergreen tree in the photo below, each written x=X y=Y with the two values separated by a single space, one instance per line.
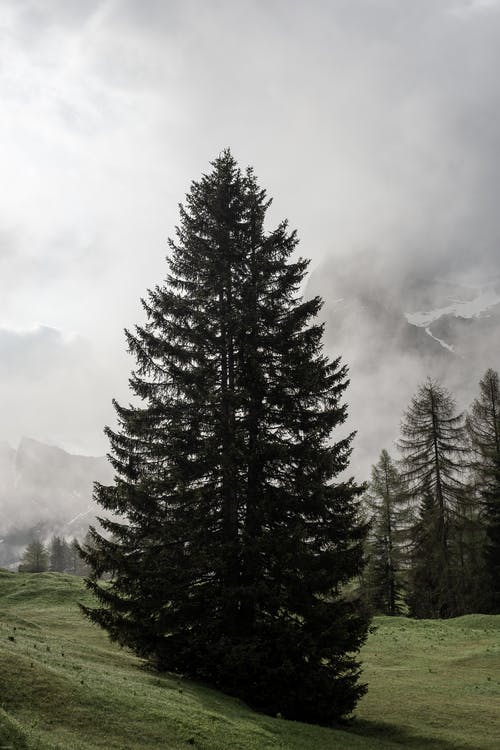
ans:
x=434 y=545
x=58 y=556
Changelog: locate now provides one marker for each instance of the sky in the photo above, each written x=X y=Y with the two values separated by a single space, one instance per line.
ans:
x=374 y=125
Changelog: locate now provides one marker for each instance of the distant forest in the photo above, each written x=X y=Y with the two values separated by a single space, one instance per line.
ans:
x=433 y=547
x=58 y=556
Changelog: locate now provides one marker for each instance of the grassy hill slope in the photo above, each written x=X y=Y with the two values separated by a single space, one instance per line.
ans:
x=433 y=685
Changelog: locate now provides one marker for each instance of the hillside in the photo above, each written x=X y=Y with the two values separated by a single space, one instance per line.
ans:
x=433 y=685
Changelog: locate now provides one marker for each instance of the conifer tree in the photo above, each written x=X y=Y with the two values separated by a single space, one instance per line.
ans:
x=433 y=447
x=483 y=425
x=35 y=558
x=483 y=422
x=387 y=502
x=58 y=554
x=236 y=535
x=76 y=564
x=74 y=557
x=491 y=503
x=467 y=540
x=428 y=576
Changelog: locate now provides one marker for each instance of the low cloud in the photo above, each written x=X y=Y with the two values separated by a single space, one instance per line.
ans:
x=375 y=126
x=53 y=388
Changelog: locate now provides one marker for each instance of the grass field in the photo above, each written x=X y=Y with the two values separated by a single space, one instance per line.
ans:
x=64 y=686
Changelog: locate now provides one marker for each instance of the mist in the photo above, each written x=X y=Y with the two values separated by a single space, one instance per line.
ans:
x=374 y=125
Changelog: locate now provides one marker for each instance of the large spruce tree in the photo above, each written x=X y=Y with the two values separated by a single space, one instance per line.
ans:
x=232 y=536
x=432 y=443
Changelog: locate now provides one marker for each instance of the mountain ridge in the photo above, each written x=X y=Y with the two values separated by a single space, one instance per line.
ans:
x=45 y=490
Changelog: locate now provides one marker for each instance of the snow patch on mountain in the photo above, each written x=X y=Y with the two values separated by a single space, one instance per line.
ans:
x=486 y=298
x=440 y=341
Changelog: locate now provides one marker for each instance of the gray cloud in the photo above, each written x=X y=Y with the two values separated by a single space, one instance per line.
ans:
x=53 y=387
x=23 y=353
x=373 y=123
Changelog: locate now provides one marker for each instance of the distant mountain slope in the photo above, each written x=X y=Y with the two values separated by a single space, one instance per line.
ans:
x=393 y=330
x=45 y=490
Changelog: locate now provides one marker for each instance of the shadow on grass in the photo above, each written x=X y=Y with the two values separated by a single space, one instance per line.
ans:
x=379 y=730
x=370 y=733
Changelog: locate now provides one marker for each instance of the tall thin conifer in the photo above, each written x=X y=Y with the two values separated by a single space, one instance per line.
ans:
x=433 y=446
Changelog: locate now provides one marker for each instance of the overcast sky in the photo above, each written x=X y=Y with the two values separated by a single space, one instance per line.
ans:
x=372 y=123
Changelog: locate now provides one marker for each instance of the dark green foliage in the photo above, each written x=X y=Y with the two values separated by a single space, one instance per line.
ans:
x=467 y=541
x=433 y=446
x=59 y=555
x=491 y=502
x=234 y=540
x=428 y=577
x=35 y=558
x=483 y=425
x=387 y=501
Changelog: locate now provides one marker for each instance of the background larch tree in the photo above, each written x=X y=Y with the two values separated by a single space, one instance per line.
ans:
x=35 y=558
x=387 y=503
x=432 y=444
x=483 y=426
x=236 y=536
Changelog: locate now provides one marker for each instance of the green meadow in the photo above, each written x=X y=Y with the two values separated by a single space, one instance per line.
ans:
x=65 y=686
